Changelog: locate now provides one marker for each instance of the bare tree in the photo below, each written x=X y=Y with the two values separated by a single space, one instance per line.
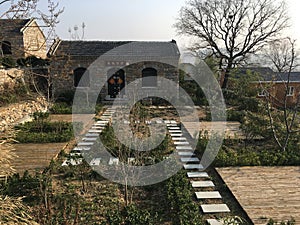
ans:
x=232 y=29
x=283 y=56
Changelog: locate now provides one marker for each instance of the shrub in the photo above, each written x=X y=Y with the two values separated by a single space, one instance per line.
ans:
x=8 y=62
x=61 y=108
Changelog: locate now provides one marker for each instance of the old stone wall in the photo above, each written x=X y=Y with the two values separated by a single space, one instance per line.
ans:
x=14 y=113
x=9 y=77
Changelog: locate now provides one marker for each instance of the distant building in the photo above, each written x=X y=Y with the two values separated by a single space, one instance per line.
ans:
x=20 y=38
x=274 y=85
x=70 y=62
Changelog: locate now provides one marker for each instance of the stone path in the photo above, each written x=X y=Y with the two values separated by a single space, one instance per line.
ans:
x=199 y=180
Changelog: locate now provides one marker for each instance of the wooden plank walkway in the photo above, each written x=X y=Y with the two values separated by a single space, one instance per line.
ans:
x=265 y=192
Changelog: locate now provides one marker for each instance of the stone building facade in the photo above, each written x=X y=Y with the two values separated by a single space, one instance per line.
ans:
x=111 y=66
x=20 y=38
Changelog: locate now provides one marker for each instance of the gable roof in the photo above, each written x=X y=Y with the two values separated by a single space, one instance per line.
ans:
x=268 y=75
x=98 y=48
x=13 y=25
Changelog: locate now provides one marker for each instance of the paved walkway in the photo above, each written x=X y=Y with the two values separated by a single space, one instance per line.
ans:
x=265 y=192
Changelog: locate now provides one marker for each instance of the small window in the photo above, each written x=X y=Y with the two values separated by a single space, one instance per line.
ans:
x=262 y=93
x=149 y=76
x=291 y=91
x=6 y=48
x=81 y=77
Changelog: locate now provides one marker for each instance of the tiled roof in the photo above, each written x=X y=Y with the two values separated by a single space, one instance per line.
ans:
x=129 y=48
x=13 y=25
x=267 y=74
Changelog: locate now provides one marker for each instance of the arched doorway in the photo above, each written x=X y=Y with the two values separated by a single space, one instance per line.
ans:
x=116 y=83
x=149 y=76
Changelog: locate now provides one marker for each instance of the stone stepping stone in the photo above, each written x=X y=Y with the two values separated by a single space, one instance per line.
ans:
x=95 y=162
x=197 y=175
x=208 y=195
x=176 y=135
x=187 y=160
x=95 y=131
x=175 y=131
x=214 y=222
x=193 y=166
x=89 y=139
x=173 y=128
x=82 y=148
x=92 y=135
x=101 y=122
x=96 y=128
x=181 y=143
x=184 y=148
x=215 y=208
x=85 y=143
x=179 y=139
x=113 y=161
x=159 y=121
x=167 y=121
x=173 y=122
x=186 y=154
x=171 y=125
x=202 y=184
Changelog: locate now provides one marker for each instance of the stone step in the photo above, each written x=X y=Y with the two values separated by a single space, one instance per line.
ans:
x=186 y=154
x=202 y=184
x=82 y=148
x=197 y=175
x=208 y=195
x=187 y=160
x=85 y=143
x=193 y=166
x=173 y=128
x=215 y=208
x=175 y=131
x=92 y=135
x=176 y=135
x=181 y=143
x=89 y=139
x=179 y=139
x=184 y=148
x=214 y=222
x=95 y=131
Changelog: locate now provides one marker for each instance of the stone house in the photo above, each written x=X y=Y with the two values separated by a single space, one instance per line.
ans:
x=118 y=64
x=20 y=38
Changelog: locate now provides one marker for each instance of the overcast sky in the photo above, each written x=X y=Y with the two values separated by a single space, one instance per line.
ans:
x=135 y=19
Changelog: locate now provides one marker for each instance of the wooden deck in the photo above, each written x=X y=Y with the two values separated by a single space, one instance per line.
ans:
x=265 y=192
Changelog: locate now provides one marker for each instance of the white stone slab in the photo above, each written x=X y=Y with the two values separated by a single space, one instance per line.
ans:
x=197 y=175
x=175 y=131
x=95 y=162
x=85 y=143
x=92 y=135
x=176 y=135
x=173 y=122
x=101 y=122
x=214 y=222
x=178 y=138
x=95 y=131
x=167 y=121
x=192 y=166
x=215 y=208
x=202 y=184
x=173 y=128
x=113 y=161
x=208 y=195
x=184 y=148
x=81 y=148
x=159 y=121
x=185 y=154
x=89 y=139
x=96 y=128
x=171 y=125
x=181 y=143
x=187 y=160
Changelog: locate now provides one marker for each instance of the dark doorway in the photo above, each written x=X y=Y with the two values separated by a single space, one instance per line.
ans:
x=149 y=76
x=6 y=48
x=116 y=83
x=81 y=77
